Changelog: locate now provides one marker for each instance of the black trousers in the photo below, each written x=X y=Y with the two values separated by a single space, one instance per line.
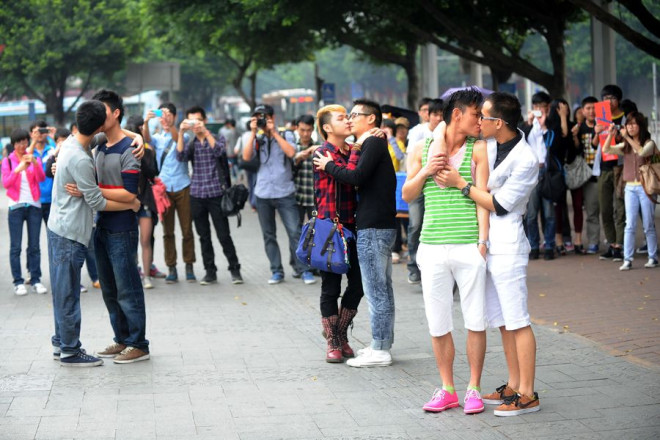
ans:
x=201 y=209
x=331 y=286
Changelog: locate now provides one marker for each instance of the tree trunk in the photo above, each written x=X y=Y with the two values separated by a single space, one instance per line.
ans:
x=413 y=75
x=557 y=85
x=253 y=90
x=55 y=107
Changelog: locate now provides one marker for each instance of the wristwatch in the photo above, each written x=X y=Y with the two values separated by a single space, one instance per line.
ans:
x=466 y=190
x=484 y=242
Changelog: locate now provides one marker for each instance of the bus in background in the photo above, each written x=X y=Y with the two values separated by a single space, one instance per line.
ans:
x=290 y=103
x=234 y=107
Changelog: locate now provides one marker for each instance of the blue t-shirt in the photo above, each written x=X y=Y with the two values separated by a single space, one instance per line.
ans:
x=116 y=167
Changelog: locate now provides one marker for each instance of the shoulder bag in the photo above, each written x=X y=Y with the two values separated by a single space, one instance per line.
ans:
x=649 y=176
x=323 y=242
x=577 y=173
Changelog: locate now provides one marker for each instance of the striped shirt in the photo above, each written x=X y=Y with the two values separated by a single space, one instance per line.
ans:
x=449 y=216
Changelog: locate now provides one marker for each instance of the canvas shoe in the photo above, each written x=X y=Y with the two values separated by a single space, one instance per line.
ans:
x=20 y=290
x=209 y=278
x=414 y=277
x=80 y=359
x=83 y=289
x=396 y=258
x=501 y=394
x=39 y=288
x=146 y=282
x=473 y=404
x=173 y=276
x=617 y=254
x=111 y=350
x=642 y=250
x=190 y=273
x=155 y=273
x=608 y=254
x=518 y=405
x=130 y=355
x=441 y=400
x=627 y=265
x=368 y=357
x=276 y=278
x=651 y=263
x=592 y=249
x=308 y=277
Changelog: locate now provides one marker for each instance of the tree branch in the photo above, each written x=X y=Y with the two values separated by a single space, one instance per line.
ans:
x=644 y=16
x=637 y=39
x=84 y=88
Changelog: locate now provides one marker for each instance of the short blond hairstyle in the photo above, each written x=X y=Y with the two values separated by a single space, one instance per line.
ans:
x=323 y=117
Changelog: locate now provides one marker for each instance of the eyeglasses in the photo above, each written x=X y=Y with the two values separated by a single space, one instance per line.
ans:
x=489 y=118
x=610 y=98
x=356 y=114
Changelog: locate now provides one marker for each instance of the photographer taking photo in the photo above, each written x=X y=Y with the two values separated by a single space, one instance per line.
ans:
x=275 y=190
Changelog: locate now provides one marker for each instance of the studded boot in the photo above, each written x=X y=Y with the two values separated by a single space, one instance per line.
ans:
x=345 y=321
x=333 y=351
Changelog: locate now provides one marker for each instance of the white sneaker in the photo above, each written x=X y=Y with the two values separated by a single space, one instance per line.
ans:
x=39 y=288
x=20 y=290
x=627 y=265
x=368 y=357
x=651 y=263
x=146 y=283
x=396 y=258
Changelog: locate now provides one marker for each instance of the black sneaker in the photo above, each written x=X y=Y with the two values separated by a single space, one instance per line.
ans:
x=414 y=277
x=80 y=359
x=607 y=255
x=549 y=254
x=642 y=250
x=561 y=250
x=534 y=254
x=236 y=277
x=209 y=278
x=617 y=254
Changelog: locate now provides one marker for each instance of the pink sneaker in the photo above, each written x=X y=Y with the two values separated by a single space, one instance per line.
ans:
x=473 y=403
x=441 y=400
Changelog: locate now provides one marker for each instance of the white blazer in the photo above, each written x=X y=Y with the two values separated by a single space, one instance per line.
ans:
x=511 y=183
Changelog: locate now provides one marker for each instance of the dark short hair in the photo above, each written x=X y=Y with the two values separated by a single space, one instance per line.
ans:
x=19 y=134
x=196 y=109
x=135 y=123
x=112 y=99
x=90 y=116
x=263 y=109
x=35 y=124
x=589 y=100
x=169 y=106
x=506 y=107
x=436 y=106
x=306 y=119
x=389 y=123
x=628 y=106
x=231 y=122
x=541 y=98
x=371 y=107
x=461 y=100
x=423 y=102
x=553 y=120
x=62 y=133
x=612 y=89
x=72 y=126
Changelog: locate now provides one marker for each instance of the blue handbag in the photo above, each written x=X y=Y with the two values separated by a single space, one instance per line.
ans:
x=323 y=243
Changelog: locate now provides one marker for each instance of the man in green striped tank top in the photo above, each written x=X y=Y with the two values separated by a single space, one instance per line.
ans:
x=453 y=244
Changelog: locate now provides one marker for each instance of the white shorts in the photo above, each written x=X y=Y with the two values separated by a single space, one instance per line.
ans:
x=506 y=291
x=441 y=265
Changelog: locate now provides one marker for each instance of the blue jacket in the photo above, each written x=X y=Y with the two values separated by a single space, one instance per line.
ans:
x=46 y=186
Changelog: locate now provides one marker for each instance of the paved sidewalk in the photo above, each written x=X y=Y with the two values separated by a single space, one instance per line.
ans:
x=246 y=362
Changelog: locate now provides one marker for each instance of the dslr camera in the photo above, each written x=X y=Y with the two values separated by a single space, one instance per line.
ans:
x=43 y=130
x=261 y=121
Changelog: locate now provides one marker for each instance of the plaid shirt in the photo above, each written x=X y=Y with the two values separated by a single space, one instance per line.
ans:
x=304 y=179
x=205 y=182
x=324 y=187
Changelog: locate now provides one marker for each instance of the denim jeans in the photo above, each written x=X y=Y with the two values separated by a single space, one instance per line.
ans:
x=65 y=259
x=535 y=205
x=201 y=209
x=374 y=248
x=636 y=201
x=90 y=259
x=288 y=209
x=16 y=218
x=415 y=217
x=116 y=256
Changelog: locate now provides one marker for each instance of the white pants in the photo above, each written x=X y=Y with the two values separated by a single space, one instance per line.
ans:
x=440 y=266
x=506 y=291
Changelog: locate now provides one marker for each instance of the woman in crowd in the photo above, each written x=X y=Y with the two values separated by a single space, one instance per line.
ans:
x=148 y=214
x=559 y=142
x=636 y=146
x=21 y=174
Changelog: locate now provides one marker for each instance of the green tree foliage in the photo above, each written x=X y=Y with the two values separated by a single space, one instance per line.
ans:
x=250 y=34
x=52 y=45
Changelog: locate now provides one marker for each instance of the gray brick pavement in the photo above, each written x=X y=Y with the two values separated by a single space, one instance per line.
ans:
x=246 y=362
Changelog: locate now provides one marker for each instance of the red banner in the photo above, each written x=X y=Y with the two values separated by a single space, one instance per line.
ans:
x=604 y=118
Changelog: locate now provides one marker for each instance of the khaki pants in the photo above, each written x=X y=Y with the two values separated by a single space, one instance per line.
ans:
x=181 y=204
x=611 y=208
